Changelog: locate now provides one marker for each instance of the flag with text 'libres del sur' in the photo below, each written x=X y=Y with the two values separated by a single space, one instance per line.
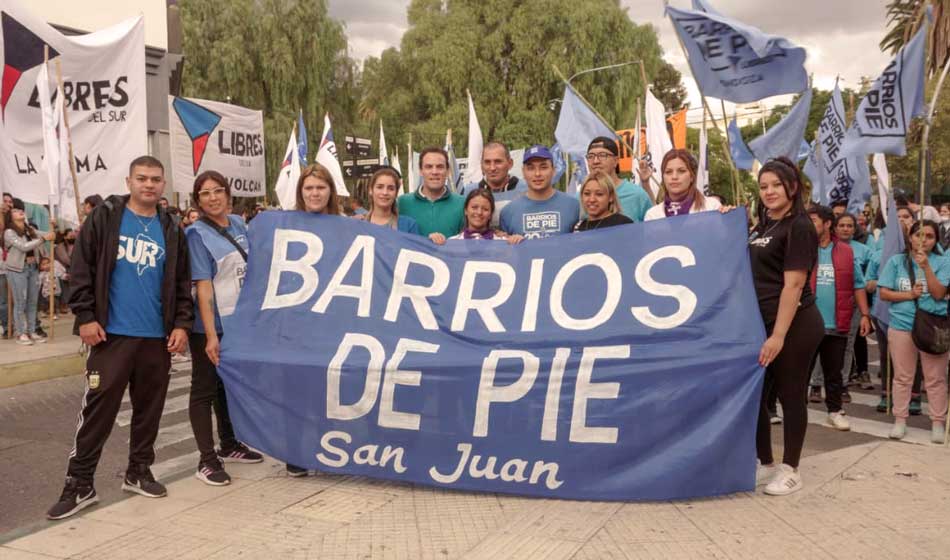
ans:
x=734 y=61
x=882 y=120
x=536 y=369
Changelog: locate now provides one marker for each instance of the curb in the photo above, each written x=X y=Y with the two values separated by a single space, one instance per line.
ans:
x=39 y=370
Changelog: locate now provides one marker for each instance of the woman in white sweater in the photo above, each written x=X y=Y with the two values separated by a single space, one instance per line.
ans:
x=23 y=255
x=679 y=192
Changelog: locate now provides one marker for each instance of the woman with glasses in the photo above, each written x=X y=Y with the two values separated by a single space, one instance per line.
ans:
x=217 y=247
x=679 y=193
x=383 y=210
x=632 y=200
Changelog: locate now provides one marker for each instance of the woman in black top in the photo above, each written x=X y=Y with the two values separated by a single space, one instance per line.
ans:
x=783 y=248
x=599 y=199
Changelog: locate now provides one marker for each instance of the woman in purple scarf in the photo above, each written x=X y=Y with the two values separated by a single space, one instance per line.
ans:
x=679 y=192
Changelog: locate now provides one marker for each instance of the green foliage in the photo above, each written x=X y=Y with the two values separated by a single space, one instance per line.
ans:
x=668 y=87
x=276 y=55
x=505 y=52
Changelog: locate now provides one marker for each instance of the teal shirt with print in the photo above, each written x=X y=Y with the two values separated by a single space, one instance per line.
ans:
x=896 y=277
x=825 y=285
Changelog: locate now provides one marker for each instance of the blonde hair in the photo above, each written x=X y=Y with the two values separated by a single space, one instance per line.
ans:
x=602 y=179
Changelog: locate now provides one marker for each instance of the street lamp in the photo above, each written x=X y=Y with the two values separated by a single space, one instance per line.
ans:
x=609 y=67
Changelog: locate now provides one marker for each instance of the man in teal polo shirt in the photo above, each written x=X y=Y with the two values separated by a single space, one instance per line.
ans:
x=434 y=207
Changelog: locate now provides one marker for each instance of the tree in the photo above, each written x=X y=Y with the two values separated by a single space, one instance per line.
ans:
x=904 y=18
x=505 y=52
x=668 y=87
x=279 y=56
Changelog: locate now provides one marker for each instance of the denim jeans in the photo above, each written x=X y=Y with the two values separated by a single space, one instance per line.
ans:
x=26 y=292
x=3 y=300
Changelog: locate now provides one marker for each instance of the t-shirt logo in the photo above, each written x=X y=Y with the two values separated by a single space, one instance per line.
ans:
x=141 y=251
x=760 y=242
x=541 y=224
x=825 y=275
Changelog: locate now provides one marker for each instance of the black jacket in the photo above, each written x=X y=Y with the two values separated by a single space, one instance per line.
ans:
x=94 y=259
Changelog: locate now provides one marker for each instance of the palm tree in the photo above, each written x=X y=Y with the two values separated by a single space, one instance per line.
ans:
x=904 y=18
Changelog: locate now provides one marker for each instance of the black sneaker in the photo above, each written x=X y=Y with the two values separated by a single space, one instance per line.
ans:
x=239 y=454
x=915 y=408
x=882 y=404
x=139 y=480
x=845 y=396
x=77 y=495
x=814 y=394
x=212 y=473
x=295 y=471
x=774 y=418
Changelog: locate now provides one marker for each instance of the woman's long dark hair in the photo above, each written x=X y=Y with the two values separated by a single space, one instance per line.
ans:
x=908 y=246
x=27 y=231
x=791 y=179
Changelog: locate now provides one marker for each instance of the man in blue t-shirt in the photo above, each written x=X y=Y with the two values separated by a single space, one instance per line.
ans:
x=130 y=289
x=836 y=264
x=542 y=211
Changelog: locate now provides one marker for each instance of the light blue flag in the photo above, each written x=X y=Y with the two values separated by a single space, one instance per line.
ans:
x=803 y=150
x=785 y=138
x=301 y=139
x=741 y=156
x=579 y=174
x=560 y=166
x=734 y=61
x=893 y=245
x=881 y=122
x=577 y=125
x=819 y=193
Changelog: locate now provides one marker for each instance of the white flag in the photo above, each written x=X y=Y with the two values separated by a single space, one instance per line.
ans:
x=56 y=151
x=395 y=161
x=702 y=180
x=658 y=140
x=475 y=143
x=383 y=153
x=883 y=181
x=286 y=187
x=326 y=157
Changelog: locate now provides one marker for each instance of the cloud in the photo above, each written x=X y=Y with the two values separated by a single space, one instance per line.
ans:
x=841 y=36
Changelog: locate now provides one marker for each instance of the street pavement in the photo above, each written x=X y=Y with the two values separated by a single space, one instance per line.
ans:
x=37 y=423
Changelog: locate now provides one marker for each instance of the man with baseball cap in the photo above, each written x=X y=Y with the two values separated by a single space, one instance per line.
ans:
x=603 y=155
x=542 y=211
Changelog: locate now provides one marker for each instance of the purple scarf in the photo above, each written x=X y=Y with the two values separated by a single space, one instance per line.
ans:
x=677 y=208
x=472 y=234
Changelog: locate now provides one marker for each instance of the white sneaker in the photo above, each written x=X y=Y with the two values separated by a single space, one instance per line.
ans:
x=37 y=338
x=936 y=432
x=765 y=474
x=786 y=481
x=898 y=431
x=25 y=340
x=837 y=421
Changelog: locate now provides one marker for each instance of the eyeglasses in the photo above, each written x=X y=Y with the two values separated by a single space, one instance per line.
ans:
x=213 y=192
x=599 y=156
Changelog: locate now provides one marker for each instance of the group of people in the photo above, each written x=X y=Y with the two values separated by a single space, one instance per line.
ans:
x=142 y=288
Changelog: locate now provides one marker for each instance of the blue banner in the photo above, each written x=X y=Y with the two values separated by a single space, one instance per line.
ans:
x=618 y=364
x=734 y=61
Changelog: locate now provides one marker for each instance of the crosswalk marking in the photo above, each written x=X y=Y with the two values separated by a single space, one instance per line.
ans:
x=872 y=427
x=170 y=435
x=172 y=405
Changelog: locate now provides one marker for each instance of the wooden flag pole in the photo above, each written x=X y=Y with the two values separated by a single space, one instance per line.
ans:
x=51 y=278
x=72 y=160
x=728 y=144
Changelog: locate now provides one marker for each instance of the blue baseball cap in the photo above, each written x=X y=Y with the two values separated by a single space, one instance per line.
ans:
x=538 y=151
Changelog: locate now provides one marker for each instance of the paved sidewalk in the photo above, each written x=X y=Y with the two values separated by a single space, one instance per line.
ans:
x=56 y=358
x=879 y=500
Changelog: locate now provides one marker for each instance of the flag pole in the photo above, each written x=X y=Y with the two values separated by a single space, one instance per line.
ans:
x=52 y=243
x=72 y=159
x=727 y=147
x=925 y=141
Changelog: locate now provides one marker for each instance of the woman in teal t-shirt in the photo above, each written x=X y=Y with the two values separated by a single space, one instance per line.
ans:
x=927 y=291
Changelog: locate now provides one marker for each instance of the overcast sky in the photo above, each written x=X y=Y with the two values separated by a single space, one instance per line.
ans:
x=841 y=36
